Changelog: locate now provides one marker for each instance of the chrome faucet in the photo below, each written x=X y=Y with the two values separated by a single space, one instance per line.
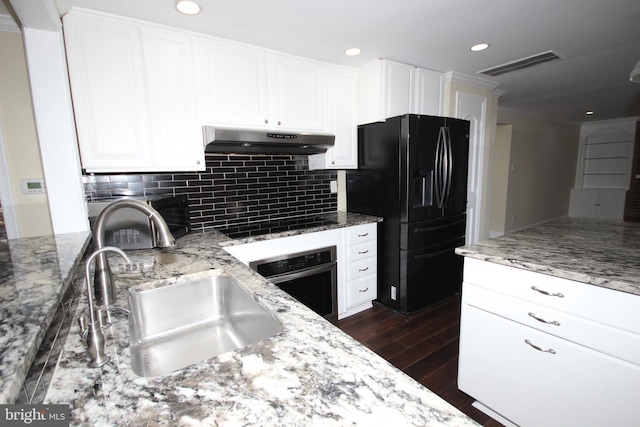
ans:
x=104 y=287
x=91 y=332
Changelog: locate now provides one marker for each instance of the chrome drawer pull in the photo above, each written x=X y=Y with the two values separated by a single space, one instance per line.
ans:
x=363 y=235
x=553 y=322
x=550 y=350
x=363 y=252
x=559 y=295
x=363 y=269
x=365 y=290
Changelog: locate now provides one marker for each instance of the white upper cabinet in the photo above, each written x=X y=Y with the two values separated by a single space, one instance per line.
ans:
x=134 y=96
x=298 y=94
x=427 y=92
x=234 y=82
x=109 y=94
x=248 y=87
x=388 y=88
x=176 y=132
x=341 y=119
x=142 y=93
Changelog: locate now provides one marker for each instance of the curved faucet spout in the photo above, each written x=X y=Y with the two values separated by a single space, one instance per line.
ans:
x=91 y=332
x=103 y=284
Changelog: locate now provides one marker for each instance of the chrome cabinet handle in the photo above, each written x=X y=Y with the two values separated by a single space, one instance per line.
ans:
x=558 y=294
x=363 y=252
x=549 y=350
x=363 y=269
x=552 y=322
x=363 y=235
x=363 y=290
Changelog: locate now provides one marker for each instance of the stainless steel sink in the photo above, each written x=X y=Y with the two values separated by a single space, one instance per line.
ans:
x=181 y=324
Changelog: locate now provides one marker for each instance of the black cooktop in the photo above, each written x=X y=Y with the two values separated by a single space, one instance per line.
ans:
x=275 y=226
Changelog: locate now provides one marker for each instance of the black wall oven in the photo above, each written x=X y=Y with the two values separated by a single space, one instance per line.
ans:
x=310 y=277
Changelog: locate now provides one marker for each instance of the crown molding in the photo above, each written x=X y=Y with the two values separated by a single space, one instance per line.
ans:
x=8 y=23
x=455 y=77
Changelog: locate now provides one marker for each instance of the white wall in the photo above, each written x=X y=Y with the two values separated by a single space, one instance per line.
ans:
x=543 y=159
x=499 y=191
x=20 y=138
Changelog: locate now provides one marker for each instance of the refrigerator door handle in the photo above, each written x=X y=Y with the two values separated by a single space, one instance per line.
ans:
x=439 y=168
x=448 y=166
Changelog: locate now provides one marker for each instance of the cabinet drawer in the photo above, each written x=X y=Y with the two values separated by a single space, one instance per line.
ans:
x=362 y=268
x=362 y=251
x=573 y=386
x=362 y=233
x=604 y=306
x=605 y=339
x=362 y=290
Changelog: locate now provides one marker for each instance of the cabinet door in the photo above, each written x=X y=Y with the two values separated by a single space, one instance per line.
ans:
x=341 y=120
x=426 y=92
x=234 y=85
x=384 y=90
x=611 y=204
x=397 y=88
x=593 y=203
x=109 y=92
x=175 y=127
x=583 y=203
x=297 y=94
x=573 y=386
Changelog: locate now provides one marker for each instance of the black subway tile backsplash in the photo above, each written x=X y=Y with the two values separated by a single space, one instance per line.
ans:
x=234 y=190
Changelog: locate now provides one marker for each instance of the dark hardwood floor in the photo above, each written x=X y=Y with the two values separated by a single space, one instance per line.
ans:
x=423 y=344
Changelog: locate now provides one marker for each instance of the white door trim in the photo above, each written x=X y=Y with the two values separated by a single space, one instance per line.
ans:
x=6 y=193
x=474 y=108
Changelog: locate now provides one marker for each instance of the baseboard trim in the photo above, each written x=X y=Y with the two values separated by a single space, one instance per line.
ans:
x=480 y=407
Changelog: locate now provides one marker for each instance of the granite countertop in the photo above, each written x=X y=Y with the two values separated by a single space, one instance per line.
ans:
x=35 y=272
x=309 y=374
x=596 y=252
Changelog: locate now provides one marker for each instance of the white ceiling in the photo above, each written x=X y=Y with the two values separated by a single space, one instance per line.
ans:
x=599 y=41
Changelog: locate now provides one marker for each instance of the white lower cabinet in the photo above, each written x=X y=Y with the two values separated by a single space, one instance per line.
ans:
x=595 y=203
x=559 y=383
x=562 y=354
x=362 y=267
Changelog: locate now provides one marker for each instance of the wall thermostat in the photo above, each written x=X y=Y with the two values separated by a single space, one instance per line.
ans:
x=32 y=186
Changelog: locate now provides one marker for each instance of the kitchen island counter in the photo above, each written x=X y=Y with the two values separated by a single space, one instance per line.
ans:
x=596 y=252
x=309 y=374
x=35 y=273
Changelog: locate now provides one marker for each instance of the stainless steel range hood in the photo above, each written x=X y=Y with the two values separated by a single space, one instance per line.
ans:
x=255 y=141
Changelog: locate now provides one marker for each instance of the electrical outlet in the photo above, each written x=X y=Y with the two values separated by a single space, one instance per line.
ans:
x=393 y=293
x=333 y=186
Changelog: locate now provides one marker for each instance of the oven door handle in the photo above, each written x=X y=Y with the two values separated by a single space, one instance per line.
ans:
x=302 y=273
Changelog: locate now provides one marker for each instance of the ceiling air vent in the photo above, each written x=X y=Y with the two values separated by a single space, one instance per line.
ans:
x=521 y=64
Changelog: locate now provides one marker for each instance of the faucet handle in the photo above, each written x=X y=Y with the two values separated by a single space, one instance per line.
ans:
x=82 y=322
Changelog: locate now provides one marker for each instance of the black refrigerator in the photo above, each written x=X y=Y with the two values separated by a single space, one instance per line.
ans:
x=412 y=171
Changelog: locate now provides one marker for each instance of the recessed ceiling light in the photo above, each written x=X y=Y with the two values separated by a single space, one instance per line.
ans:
x=353 y=51
x=589 y=113
x=479 y=47
x=188 y=7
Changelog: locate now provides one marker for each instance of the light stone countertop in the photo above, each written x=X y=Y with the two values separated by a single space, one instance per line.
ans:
x=35 y=273
x=596 y=252
x=311 y=374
